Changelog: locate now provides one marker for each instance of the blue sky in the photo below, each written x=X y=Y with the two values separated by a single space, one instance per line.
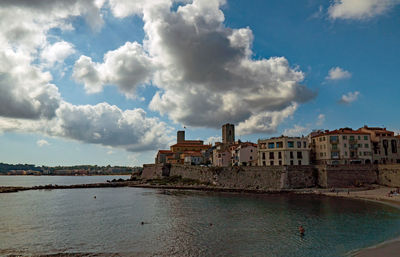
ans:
x=110 y=82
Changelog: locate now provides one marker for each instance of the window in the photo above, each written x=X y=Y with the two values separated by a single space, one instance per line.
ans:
x=263 y=156
x=366 y=145
x=360 y=153
x=365 y=137
x=359 y=145
x=321 y=154
x=334 y=147
x=393 y=144
x=299 y=155
x=299 y=162
x=345 y=145
x=344 y=137
x=345 y=153
x=290 y=144
x=280 y=162
x=298 y=144
x=251 y=150
x=334 y=138
x=291 y=162
x=279 y=155
x=335 y=155
x=272 y=163
x=264 y=164
x=271 y=155
x=251 y=157
x=279 y=144
x=291 y=155
x=359 y=137
x=351 y=137
x=271 y=145
x=304 y=144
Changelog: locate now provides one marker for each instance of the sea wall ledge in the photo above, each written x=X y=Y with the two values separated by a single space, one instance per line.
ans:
x=280 y=177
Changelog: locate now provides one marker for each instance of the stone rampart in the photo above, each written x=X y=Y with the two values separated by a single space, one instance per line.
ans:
x=265 y=178
x=346 y=175
x=389 y=175
x=281 y=177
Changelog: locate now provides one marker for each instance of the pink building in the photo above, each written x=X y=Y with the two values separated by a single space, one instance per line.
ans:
x=244 y=154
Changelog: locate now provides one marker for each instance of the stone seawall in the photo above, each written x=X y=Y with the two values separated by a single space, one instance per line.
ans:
x=346 y=175
x=389 y=175
x=281 y=177
x=265 y=178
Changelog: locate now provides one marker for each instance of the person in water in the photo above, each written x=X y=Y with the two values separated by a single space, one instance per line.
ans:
x=302 y=230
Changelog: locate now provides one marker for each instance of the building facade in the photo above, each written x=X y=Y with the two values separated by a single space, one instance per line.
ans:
x=342 y=146
x=385 y=145
x=244 y=154
x=283 y=151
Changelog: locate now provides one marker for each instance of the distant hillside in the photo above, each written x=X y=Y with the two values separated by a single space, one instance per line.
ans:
x=30 y=169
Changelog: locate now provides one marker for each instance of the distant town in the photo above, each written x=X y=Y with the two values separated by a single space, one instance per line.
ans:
x=81 y=170
x=345 y=146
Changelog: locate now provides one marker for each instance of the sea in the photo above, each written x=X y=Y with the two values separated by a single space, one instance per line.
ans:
x=154 y=222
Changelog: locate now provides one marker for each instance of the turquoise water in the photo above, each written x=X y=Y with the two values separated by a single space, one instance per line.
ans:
x=177 y=223
x=55 y=180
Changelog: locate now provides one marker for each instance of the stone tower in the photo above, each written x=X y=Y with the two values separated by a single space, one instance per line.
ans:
x=228 y=134
x=180 y=136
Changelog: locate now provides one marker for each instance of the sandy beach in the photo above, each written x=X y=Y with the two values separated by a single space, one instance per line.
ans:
x=389 y=248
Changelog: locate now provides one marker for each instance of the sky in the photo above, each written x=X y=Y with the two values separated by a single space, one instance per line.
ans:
x=111 y=81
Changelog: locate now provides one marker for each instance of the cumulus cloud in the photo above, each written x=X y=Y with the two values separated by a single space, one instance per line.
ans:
x=338 y=73
x=296 y=131
x=320 y=120
x=25 y=91
x=42 y=143
x=56 y=53
x=349 y=97
x=204 y=70
x=213 y=139
x=29 y=102
x=359 y=9
x=101 y=124
x=127 y=67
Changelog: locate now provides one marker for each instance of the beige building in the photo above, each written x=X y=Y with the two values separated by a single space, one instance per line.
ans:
x=283 y=151
x=385 y=145
x=342 y=146
x=244 y=154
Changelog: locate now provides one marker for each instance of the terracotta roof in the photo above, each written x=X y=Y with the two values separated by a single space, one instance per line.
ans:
x=183 y=145
x=164 y=151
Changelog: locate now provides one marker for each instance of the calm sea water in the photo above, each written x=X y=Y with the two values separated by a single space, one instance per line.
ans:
x=177 y=223
x=55 y=180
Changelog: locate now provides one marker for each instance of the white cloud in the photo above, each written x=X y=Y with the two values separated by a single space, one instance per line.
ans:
x=30 y=103
x=25 y=90
x=338 y=73
x=127 y=67
x=265 y=122
x=101 y=124
x=296 y=131
x=213 y=139
x=320 y=120
x=42 y=143
x=359 y=9
x=349 y=97
x=198 y=64
x=56 y=53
